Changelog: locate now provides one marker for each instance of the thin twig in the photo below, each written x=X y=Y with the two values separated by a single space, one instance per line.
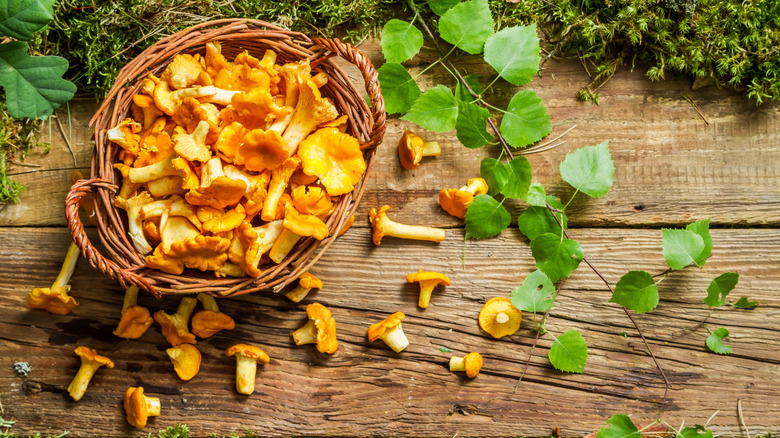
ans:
x=65 y=137
x=538 y=150
x=19 y=163
x=742 y=418
x=696 y=107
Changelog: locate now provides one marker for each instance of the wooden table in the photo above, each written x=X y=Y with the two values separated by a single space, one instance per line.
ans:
x=672 y=169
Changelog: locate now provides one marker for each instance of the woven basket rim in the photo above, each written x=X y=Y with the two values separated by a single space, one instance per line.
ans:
x=124 y=263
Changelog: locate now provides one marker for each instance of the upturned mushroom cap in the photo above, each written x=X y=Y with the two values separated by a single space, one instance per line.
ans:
x=428 y=281
x=499 y=317
x=334 y=157
x=471 y=364
x=174 y=327
x=139 y=407
x=248 y=351
x=186 y=360
x=262 y=150
x=210 y=320
x=321 y=328
x=134 y=323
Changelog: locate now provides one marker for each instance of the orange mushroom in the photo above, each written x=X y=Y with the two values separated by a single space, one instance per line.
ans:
x=262 y=150
x=411 y=149
x=499 y=317
x=311 y=200
x=162 y=98
x=428 y=281
x=471 y=364
x=186 y=360
x=279 y=180
x=90 y=362
x=216 y=189
x=311 y=110
x=182 y=72
x=256 y=187
x=229 y=140
x=126 y=135
x=457 y=201
x=193 y=147
x=305 y=224
x=390 y=332
x=135 y=319
x=55 y=299
x=383 y=226
x=138 y=407
x=306 y=282
x=249 y=244
x=200 y=252
x=320 y=329
x=334 y=157
x=209 y=321
x=150 y=112
x=247 y=358
x=254 y=109
x=174 y=327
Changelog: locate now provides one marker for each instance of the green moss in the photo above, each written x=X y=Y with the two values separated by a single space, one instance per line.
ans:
x=17 y=138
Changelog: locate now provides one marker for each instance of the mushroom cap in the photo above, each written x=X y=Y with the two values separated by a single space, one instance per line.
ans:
x=326 y=327
x=262 y=150
x=53 y=300
x=410 y=150
x=162 y=98
x=333 y=156
x=311 y=200
x=89 y=354
x=309 y=281
x=186 y=360
x=172 y=333
x=455 y=202
x=305 y=224
x=137 y=406
x=255 y=108
x=192 y=146
x=207 y=322
x=155 y=147
x=376 y=218
x=378 y=329
x=428 y=277
x=222 y=192
x=473 y=362
x=182 y=72
x=494 y=306
x=134 y=323
x=229 y=140
x=249 y=351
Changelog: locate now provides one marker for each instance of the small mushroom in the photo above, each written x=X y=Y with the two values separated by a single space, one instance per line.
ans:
x=135 y=319
x=320 y=329
x=216 y=189
x=174 y=327
x=90 y=362
x=499 y=317
x=383 y=226
x=390 y=331
x=210 y=320
x=306 y=282
x=247 y=358
x=186 y=360
x=411 y=149
x=471 y=364
x=139 y=407
x=457 y=201
x=55 y=299
x=428 y=281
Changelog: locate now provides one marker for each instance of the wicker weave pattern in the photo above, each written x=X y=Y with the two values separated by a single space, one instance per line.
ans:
x=123 y=262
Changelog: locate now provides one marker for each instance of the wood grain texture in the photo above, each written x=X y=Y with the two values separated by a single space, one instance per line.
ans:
x=367 y=390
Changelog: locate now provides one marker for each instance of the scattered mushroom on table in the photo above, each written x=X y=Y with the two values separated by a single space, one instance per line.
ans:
x=174 y=327
x=499 y=317
x=390 y=331
x=320 y=329
x=139 y=407
x=428 y=281
x=247 y=358
x=186 y=360
x=210 y=320
x=135 y=319
x=471 y=364
x=306 y=282
x=55 y=299
x=412 y=148
x=383 y=226
x=90 y=362
x=457 y=201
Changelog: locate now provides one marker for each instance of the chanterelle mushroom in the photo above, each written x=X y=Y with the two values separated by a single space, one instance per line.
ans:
x=320 y=329
x=247 y=358
x=55 y=299
x=428 y=281
x=186 y=360
x=210 y=320
x=139 y=407
x=411 y=149
x=499 y=317
x=471 y=364
x=135 y=319
x=390 y=331
x=457 y=201
x=306 y=282
x=174 y=327
x=90 y=362
x=383 y=226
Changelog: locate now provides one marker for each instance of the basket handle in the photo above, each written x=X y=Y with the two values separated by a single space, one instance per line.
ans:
x=79 y=190
x=354 y=56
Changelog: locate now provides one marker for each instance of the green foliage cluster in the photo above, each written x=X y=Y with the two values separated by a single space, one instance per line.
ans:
x=621 y=426
x=17 y=138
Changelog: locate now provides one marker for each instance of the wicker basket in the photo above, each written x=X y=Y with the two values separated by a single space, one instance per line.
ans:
x=124 y=262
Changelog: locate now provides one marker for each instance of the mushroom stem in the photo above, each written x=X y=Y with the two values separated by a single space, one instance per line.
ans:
x=457 y=364
x=395 y=339
x=415 y=232
x=185 y=309
x=502 y=318
x=68 y=267
x=426 y=289
x=431 y=149
x=246 y=370
x=152 y=406
x=209 y=303
x=298 y=294
x=283 y=245
x=306 y=334
x=131 y=298
x=78 y=386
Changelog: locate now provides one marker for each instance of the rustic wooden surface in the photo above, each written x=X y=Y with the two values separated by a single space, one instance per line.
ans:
x=672 y=168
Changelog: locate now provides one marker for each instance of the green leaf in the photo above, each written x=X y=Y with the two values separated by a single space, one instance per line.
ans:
x=637 y=291
x=702 y=228
x=467 y=25
x=681 y=247
x=526 y=120
x=21 y=18
x=536 y=294
x=745 y=303
x=536 y=221
x=514 y=53
x=461 y=93
x=536 y=195
x=697 y=431
x=33 y=84
x=436 y=110
x=494 y=173
x=439 y=7
x=715 y=341
x=400 y=41
x=569 y=352
x=471 y=126
x=511 y=179
x=485 y=217
x=620 y=427
x=556 y=256
x=398 y=88
x=445 y=350
x=589 y=169
x=720 y=287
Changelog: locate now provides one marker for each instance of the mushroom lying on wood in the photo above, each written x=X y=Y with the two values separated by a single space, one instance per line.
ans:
x=306 y=282
x=247 y=358
x=174 y=327
x=383 y=226
x=320 y=329
x=135 y=319
x=90 y=362
x=499 y=317
x=210 y=320
x=457 y=201
x=186 y=360
x=390 y=331
x=411 y=149
x=471 y=364
x=428 y=281
x=55 y=299
x=139 y=407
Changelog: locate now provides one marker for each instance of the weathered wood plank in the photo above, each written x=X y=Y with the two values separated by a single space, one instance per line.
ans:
x=672 y=168
x=366 y=389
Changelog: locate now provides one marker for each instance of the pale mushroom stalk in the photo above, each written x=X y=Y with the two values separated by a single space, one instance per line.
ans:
x=383 y=226
x=431 y=149
x=90 y=362
x=56 y=299
x=471 y=364
x=395 y=338
x=133 y=208
x=246 y=372
x=153 y=171
x=283 y=245
x=306 y=334
x=131 y=298
x=209 y=303
x=458 y=363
